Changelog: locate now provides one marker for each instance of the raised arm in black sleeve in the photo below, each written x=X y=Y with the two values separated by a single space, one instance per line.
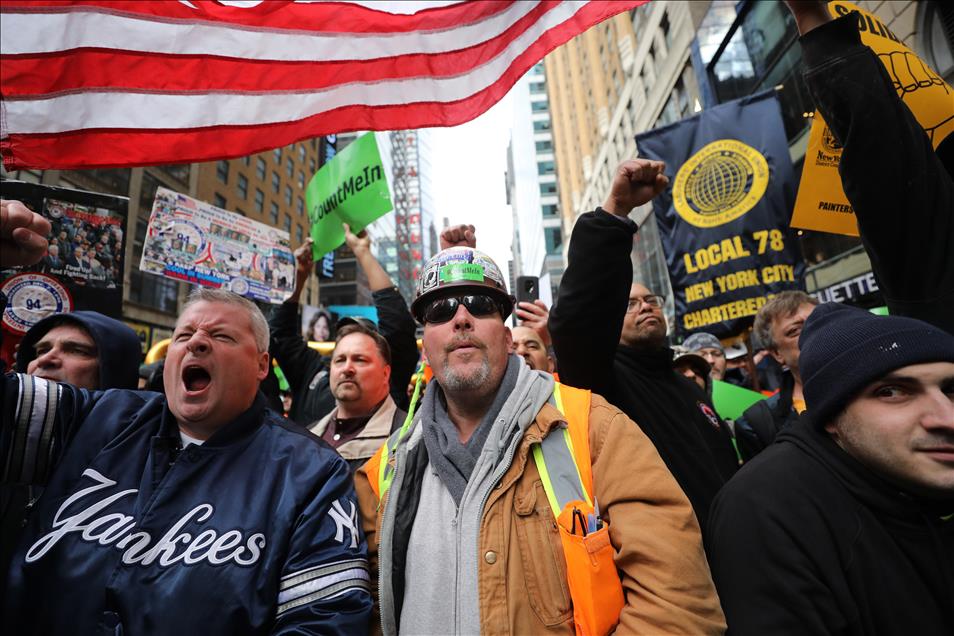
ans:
x=901 y=193
x=587 y=319
x=288 y=346
x=397 y=326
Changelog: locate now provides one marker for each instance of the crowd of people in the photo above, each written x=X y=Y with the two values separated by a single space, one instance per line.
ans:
x=567 y=475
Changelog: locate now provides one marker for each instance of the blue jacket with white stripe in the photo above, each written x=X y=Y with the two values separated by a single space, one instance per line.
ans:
x=254 y=532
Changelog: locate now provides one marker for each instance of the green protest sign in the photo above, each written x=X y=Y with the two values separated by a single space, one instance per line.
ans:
x=730 y=401
x=352 y=189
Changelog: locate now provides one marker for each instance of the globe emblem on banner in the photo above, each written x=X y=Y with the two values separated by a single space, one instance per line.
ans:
x=721 y=182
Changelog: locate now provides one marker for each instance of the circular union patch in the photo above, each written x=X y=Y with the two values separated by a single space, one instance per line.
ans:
x=828 y=141
x=720 y=183
x=32 y=297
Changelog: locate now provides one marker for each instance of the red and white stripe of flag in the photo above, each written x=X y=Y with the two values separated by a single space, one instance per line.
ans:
x=107 y=83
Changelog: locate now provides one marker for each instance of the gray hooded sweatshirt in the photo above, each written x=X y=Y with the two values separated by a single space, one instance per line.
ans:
x=442 y=560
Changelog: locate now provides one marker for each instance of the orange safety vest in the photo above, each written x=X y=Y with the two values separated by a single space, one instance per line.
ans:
x=566 y=471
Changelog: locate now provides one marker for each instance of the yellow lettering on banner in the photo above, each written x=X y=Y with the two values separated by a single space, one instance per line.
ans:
x=778 y=274
x=821 y=203
x=728 y=311
x=699 y=291
x=736 y=280
x=728 y=249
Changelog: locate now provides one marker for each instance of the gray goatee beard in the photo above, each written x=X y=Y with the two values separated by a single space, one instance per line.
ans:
x=457 y=383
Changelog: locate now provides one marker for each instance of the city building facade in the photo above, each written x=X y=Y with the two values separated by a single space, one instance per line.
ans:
x=537 y=244
x=665 y=61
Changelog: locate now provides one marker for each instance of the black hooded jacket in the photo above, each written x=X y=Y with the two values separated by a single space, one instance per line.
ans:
x=117 y=345
x=806 y=540
x=585 y=325
x=119 y=351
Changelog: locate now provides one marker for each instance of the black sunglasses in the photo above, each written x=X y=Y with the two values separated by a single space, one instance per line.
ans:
x=443 y=309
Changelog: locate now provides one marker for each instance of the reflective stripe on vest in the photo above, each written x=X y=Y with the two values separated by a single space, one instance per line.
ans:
x=558 y=461
x=380 y=469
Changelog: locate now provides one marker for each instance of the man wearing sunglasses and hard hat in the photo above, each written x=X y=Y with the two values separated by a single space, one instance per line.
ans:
x=510 y=504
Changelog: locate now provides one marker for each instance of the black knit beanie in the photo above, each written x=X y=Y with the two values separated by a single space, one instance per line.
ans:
x=843 y=349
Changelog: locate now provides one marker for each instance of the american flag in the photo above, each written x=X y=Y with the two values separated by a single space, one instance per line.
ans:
x=108 y=83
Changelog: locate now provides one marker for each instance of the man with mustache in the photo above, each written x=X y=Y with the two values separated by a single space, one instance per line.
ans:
x=622 y=353
x=365 y=414
x=845 y=525
x=195 y=512
x=461 y=515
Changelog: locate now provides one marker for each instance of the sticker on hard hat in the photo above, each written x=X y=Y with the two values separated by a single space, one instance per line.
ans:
x=453 y=272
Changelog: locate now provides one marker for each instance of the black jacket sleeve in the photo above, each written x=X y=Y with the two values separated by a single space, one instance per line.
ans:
x=587 y=319
x=901 y=193
x=397 y=326
x=298 y=361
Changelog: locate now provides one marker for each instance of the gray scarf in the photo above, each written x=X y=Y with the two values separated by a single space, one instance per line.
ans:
x=453 y=461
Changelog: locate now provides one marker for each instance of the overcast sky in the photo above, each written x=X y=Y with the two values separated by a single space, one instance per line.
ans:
x=469 y=167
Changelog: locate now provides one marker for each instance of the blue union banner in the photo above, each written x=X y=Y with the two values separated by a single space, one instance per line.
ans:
x=723 y=221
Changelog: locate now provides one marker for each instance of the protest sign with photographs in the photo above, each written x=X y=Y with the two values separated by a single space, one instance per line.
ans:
x=198 y=243
x=83 y=267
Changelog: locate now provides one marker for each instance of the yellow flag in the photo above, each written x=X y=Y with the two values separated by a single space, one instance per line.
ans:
x=821 y=203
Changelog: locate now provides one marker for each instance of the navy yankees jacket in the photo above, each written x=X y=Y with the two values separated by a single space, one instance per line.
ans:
x=254 y=532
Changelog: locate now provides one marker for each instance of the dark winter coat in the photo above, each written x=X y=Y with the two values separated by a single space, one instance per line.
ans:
x=585 y=325
x=806 y=540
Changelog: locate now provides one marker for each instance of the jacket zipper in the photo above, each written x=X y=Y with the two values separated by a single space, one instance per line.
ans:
x=387 y=522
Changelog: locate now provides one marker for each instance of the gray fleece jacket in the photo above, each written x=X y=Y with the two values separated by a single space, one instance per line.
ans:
x=441 y=571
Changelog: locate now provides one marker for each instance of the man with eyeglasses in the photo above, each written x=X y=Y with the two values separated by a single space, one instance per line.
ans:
x=778 y=326
x=609 y=334
x=459 y=522
x=711 y=349
x=307 y=370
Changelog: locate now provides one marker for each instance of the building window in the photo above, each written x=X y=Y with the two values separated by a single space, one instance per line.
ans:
x=539 y=107
x=273 y=213
x=277 y=153
x=553 y=237
x=243 y=186
x=289 y=167
x=935 y=37
x=246 y=160
x=260 y=168
x=550 y=209
x=259 y=201
x=301 y=207
x=547 y=188
x=288 y=195
x=311 y=166
x=222 y=171
x=288 y=223
x=299 y=234
x=301 y=152
x=538 y=88
x=301 y=180
x=545 y=167
x=544 y=146
x=541 y=126
x=666 y=31
x=218 y=201
x=276 y=183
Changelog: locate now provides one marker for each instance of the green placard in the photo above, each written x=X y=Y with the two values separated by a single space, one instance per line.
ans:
x=351 y=188
x=461 y=271
x=730 y=401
